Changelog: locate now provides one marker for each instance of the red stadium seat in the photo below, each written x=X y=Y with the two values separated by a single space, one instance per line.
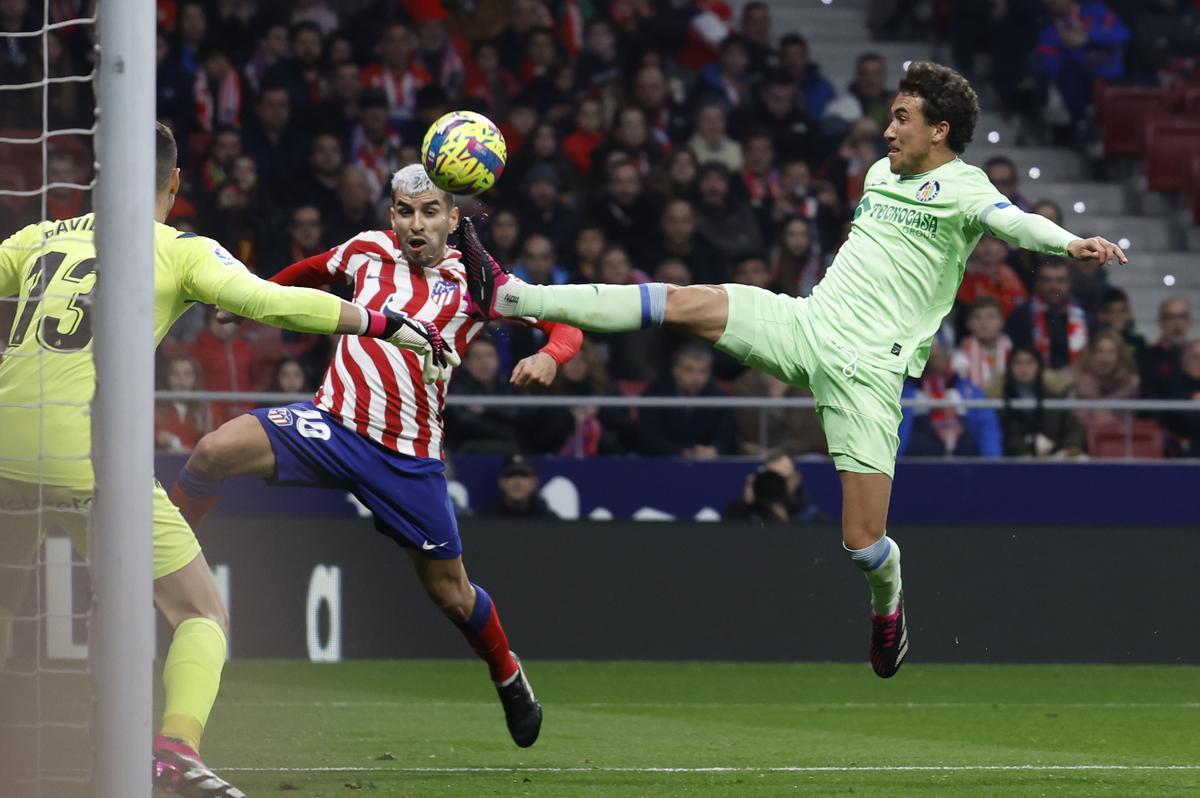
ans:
x=1171 y=141
x=632 y=387
x=1124 y=110
x=1113 y=441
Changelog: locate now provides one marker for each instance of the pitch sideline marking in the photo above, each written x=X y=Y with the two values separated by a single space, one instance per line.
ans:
x=797 y=707
x=782 y=769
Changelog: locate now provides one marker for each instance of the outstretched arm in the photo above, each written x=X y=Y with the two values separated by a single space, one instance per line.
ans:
x=1034 y=232
x=541 y=367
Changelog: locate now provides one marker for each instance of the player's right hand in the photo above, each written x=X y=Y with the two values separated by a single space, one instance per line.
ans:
x=424 y=338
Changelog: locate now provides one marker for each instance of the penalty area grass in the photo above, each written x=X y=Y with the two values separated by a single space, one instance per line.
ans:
x=435 y=728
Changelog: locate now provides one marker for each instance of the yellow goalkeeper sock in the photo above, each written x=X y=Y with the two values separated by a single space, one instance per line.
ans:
x=192 y=676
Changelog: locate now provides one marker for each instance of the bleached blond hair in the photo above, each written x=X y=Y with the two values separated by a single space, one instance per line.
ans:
x=412 y=180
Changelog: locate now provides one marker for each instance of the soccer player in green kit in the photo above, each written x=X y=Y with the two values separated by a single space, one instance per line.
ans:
x=866 y=326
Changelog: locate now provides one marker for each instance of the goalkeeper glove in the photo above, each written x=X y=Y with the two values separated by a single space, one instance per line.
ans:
x=421 y=337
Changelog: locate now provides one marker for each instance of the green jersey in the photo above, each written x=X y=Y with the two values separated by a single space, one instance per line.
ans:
x=47 y=378
x=895 y=278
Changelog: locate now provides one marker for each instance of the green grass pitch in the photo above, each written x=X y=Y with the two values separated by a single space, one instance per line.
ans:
x=434 y=728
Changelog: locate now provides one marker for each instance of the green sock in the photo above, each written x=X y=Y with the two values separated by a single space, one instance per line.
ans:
x=885 y=583
x=192 y=675
x=596 y=307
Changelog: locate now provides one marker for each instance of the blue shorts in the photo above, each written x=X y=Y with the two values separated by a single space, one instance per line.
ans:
x=407 y=495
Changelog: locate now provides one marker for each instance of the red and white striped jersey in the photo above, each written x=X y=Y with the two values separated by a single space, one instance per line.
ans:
x=374 y=387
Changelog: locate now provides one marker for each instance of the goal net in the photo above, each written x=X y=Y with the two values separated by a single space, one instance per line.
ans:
x=56 y=696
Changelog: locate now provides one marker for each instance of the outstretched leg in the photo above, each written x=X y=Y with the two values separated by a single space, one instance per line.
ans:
x=865 y=499
x=471 y=609
x=239 y=447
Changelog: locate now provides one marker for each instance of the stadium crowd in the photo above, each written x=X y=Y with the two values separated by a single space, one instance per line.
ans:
x=664 y=140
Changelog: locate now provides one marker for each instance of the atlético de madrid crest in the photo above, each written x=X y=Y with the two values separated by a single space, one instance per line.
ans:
x=928 y=191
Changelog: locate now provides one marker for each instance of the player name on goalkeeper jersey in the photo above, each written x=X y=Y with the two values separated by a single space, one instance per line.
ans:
x=374 y=387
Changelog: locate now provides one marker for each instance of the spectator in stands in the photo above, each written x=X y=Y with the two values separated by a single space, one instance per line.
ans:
x=794 y=430
x=192 y=31
x=1166 y=35
x=305 y=239
x=223 y=150
x=489 y=82
x=1184 y=428
x=277 y=147
x=62 y=201
x=227 y=362
x=519 y=497
x=946 y=431
x=777 y=111
x=755 y=29
x=581 y=143
x=1041 y=431
x=1160 y=365
x=652 y=93
x=615 y=268
x=1089 y=284
x=847 y=168
x=711 y=144
x=589 y=246
x=983 y=353
x=375 y=142
x=397 y=73
x=356 y=209
x=216 y=92
x=1082 y=43
x=798 y=265
x=435 y=53
x=271 y=47
x=867 y=95
x=339 y=112
x=305 y=68
x=599 y=64
x=544 y=212
x=623 y=208
x=774 y=493
x=505 y=237
x=244 y=213
x=676 y=179
x=728 y=79
x=750 y=268
x=816 y=92
x=1106 y=371
x=690 y=432
x=1051 y=322
x=584 y=430
x=725 y=223
x=760 y=180
x=179 y=425
x=631 y=137
x=476 y=429
x=319 y=185
x=539 y=263
x=289 y=376
x=1116 y=315
x=1002 y=172
x=1050 y=210
x=988 y=275
x=541 y=149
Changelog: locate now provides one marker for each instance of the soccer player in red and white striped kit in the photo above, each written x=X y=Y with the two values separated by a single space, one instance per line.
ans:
x=375 y=426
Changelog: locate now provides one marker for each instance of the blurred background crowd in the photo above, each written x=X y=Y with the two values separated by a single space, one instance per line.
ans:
x=684 y=141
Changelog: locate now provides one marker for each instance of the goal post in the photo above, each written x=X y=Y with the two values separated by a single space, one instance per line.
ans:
x=122 y=633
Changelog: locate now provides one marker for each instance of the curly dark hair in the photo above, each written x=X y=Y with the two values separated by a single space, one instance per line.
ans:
x=947 y=97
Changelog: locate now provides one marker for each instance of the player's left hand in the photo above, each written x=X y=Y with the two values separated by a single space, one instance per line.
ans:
x=1096 y=248
x=424 y=338
x=537 y=369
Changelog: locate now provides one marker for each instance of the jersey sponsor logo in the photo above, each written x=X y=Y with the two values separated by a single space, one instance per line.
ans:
x=928 y=191
x=914 y=221
x=280 y=416
x=225 y=257
x=444 y=293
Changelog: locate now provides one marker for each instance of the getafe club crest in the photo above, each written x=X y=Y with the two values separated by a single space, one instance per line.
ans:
x=929 y=191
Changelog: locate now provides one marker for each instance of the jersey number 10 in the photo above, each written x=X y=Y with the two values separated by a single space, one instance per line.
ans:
x=66 y=307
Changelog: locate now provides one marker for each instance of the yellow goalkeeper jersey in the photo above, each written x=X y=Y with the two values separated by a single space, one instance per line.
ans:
x=47 y=378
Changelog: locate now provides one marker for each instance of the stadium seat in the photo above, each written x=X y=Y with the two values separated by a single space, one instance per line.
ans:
x=1191 y=98
x=1124 y=108
x=1141 y=439
x=1170 y=143
x=632 y=387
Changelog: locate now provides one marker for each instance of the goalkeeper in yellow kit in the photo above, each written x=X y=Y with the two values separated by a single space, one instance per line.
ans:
x=47 y=380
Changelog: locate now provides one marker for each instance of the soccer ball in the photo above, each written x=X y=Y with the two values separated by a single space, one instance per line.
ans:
x=464 y=153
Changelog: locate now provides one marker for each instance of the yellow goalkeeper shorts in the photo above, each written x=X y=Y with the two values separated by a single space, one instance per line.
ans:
x=858 y=404
x=28 y=512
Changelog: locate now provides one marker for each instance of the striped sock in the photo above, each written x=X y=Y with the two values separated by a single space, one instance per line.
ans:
x=195 y=496
x=596 y=307
x=485 y=634
x=880 y=563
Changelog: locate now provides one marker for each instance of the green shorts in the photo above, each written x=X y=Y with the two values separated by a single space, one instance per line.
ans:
x=29 y=512
x=858 y=404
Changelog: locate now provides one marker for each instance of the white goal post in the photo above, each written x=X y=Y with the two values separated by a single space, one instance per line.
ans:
x=122 y=634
